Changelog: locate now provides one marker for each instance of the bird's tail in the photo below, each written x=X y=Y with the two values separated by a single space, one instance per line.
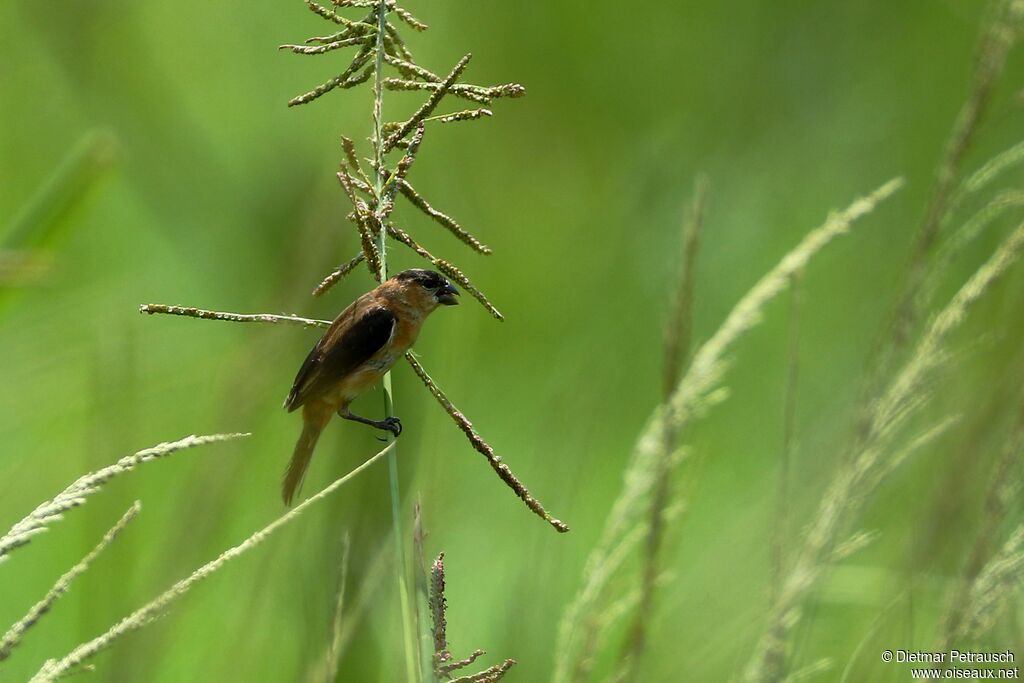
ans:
x=313 y=422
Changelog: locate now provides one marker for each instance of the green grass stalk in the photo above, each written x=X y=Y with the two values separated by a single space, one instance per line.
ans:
x=77 y=493
x=874 y=457
x=15 y=633
x=998 y=36
x=408 y=638
x=63 y=192
x=678 y=342
x=782 y=514
x=698 y=389
x=334 y=650
x=55 y=669
x=1003 y=489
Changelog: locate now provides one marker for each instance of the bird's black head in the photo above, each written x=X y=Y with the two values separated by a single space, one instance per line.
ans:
x=433 y=282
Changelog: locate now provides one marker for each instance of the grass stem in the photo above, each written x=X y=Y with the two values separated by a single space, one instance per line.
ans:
x=55 y=669
x=411 y=668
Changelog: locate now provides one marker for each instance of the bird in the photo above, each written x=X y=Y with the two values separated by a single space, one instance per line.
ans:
x=359 y=347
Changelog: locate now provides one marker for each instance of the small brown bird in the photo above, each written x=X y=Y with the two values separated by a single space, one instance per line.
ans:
x=359 y=347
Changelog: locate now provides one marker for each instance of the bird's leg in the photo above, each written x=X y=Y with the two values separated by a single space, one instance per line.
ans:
x=389 y=424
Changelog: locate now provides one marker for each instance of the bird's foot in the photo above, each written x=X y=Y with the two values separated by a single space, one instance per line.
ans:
x=391 y=424
x=388 y=424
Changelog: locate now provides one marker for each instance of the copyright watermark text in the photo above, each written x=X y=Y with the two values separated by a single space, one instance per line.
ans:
x=956 y=664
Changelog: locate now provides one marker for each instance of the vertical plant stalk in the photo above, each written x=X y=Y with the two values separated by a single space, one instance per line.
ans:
x=363 y=600
x=373 y=201
x=998 y=35
x=444 y=664
x=408 y=644
x=699 y=388
x=678 y=341
x=872 y=459
x=421 y=593
x=333 y=658
x=777 y=548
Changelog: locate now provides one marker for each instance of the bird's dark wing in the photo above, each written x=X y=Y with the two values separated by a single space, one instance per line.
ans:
x=347 y=344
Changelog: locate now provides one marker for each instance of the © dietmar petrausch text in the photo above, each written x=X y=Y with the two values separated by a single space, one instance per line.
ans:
x=955 y=664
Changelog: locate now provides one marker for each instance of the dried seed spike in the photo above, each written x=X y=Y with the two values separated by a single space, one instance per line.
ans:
x=391 y=49
x=455 y=274
x=483 y=447
x=411 y=70
x=403 y=237
x=468 y=92
x=489 y=675
x=403 y=84
x=397 y=44
x=321 y=49
x=428 y=80
x=326 y=13
x=203 y=314
x=341 y=79
x=363 y=25
x=408 y=18
x=406 y=161
x=461 y=664
x=447 y=221
x=352 y=29
x=438 y=607
x=353 y=160
x=428 y=106
x=344 y=33
x=363 y=187
x=355 y=3
x=474 y=93
x=512 y=90
x=361 y=78
x=387 y=203
x=465 y=115
x=338 y=273
x=445 y=267
x=366 y=233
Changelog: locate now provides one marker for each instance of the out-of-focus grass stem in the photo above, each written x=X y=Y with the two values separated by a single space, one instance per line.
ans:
x=55 y=669
x=678 y=341
x=778 y=547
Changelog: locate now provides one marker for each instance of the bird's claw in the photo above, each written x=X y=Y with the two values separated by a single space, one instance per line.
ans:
x=393 y=425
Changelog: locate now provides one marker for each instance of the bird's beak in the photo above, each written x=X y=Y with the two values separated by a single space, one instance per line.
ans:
x=446 y=295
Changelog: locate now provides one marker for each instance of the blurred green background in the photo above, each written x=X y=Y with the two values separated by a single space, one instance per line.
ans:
x=194 y=184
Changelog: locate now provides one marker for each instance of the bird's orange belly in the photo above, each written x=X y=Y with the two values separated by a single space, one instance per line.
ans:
x=362 y=379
